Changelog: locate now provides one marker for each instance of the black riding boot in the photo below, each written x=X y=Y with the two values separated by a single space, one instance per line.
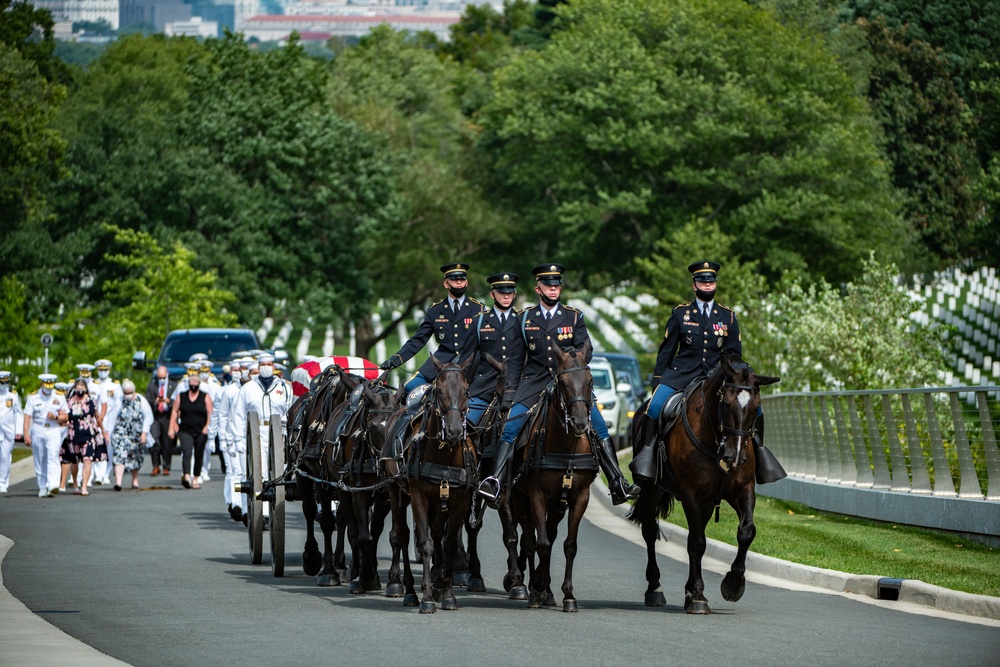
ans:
x=620 y=489
x=766 y=467
x=491 y=487
x=643 y=464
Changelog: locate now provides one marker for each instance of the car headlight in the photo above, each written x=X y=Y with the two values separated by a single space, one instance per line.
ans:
x=606 y=405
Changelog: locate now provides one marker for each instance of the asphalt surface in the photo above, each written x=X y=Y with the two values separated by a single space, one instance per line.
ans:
x=161 y=577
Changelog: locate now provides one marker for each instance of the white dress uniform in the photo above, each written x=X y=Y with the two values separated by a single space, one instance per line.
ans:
x=275 y=399
x=41 y=412
x=11 y=426
x=110 y=392
x=211 y=385
x=234 y=466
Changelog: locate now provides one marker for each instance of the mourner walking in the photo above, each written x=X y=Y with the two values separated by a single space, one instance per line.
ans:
x=11 y=425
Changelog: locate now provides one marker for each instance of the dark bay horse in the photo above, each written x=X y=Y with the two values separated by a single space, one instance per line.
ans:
x=554 y=482
x=437 y=478
x=306 y=424
x=707 y=458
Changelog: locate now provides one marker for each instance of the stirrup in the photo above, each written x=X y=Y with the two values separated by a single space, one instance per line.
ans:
x=489 y=489
x=620 y=492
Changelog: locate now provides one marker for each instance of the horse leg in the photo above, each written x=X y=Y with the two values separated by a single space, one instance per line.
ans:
x=554 y=517
x=328 y=523
x=380 y=510
x=460 y=575
x=312 y=558
x=421 y=525
x=694 y=589
x=734 y=582
x=365 y=565
x=353 y=530
x=455 y=522
x=542 y=547
x=513 y=581
x=476 y=583
x=339 y=554
x=578 y=506
x=401 y=549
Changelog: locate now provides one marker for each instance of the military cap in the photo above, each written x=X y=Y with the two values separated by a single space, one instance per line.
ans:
x=85 y=369
x=549 y=274
x=704 y=271
x=504 y=283
x=103 y=364
x=48 y=380
x=235 y=363
x=205 y=365
x=455 y=270
x=198 y=356
x=4 y=375
x=62 y=387
x=251 y=365
x=191 y=367
x=265 y=358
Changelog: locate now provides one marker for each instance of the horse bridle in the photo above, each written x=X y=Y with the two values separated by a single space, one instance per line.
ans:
x=442 y=412
x=722 y=404
x=566 y=404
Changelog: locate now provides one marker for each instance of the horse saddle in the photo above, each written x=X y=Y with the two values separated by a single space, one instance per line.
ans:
x=336 y=430
x=414 y=402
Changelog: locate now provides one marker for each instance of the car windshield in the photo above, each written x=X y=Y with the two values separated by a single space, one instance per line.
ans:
x=602 y=378
x=628 y=368
x=216 y=347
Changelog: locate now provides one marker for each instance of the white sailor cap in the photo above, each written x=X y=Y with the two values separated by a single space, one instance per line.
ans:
x=63 y=386
x=103 y=364
x=265 y=358
x=191 y=366
x=205 y=365
x=252 y=365
x=235 y=363
x=48 y=379
x=198 y=356
x=85 y=367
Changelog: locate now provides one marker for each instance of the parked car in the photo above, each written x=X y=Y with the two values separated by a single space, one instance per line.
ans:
x=612 y=403
x=180 y=344
x=627 y=371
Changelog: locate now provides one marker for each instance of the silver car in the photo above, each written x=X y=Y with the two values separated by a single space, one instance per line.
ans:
x=612 y=400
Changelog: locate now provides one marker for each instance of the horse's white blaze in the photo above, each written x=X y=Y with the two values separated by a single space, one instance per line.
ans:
x=744 y=398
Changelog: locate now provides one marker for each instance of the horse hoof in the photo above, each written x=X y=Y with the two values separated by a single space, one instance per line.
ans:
x=436 y=594
x=449 y=604
x=550 y=600
x=372 y=585
x=427 y=608
x=518 y=593
x=655 y=599
x=534 y=602
x=312 y=563
x=327 y=580
x=460 y=579
x=476 y=585
x=507 y=583
x=697 y=607
x=355 y=588
x=394 y=591
x=410 y=600
x=733 y=587
x=570 y=606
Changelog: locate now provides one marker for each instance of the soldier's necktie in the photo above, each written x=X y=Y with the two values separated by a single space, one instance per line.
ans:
x=454 y=306
x=705 y=313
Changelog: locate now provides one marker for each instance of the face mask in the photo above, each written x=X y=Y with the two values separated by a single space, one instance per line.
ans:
x=203 y=376
x=266 y=371
x=194 y=387
x=79 y=392
x=551 y=303
x=46 y=391
x=703 y=295
x=458 y=292
x=245 y=375
x=103 y=374
x=227 y=377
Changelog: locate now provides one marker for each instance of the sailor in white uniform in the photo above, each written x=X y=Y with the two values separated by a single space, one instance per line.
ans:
x=107 y=393
x=11 y=426
x=45 y=414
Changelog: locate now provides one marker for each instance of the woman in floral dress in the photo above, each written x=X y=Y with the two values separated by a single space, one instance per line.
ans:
x=129 y=434
x=84 y=440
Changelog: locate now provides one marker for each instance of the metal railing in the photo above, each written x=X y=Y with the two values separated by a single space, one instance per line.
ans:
x=934 y=442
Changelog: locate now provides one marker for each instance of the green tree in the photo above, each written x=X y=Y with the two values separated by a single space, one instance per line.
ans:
x=860 y=337
x=639 y=115
x=18 y=332
x=30 y=31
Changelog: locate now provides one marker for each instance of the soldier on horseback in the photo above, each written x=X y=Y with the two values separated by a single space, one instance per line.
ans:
x=542 y=327
x=448 y=320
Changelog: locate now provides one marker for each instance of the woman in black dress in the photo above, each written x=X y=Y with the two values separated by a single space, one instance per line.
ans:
x=189 y=418
x=85 y=441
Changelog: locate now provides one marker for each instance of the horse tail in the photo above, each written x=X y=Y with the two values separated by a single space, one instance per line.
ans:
x=651 y=504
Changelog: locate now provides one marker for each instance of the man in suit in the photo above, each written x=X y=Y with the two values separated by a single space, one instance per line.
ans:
x=543 y=326
x=159 y=392
x=448 y=320
x=696 y=335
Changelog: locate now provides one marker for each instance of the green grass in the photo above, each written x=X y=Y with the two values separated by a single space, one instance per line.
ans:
x=20 y=452
x=800 y=534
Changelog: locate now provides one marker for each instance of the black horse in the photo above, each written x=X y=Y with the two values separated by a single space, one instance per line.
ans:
x=558 y=467
x=705 y=459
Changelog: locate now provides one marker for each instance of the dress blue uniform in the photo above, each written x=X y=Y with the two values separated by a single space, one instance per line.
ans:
x=494 y=332
x=446 y=324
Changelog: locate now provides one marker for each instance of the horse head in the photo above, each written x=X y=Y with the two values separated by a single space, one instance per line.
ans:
x=739 y=400
x=451 y=399
x=575 y=387
x=380 y=405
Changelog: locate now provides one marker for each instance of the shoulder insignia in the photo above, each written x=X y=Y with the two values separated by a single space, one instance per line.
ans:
x=116 y=381
x=569 y=308
x=438 y=302
x=475 y=301
x=719 y=305
x=682 y=305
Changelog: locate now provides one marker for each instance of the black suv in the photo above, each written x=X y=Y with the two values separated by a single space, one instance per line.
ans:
x=179 y=345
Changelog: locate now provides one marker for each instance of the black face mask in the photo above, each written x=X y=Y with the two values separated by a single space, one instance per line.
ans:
x=79 y=392
x=703 y=295
x=550 y=303
x=194 y=387
x=458 y=292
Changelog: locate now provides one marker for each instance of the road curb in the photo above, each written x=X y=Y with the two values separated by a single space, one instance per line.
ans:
x=910 y=590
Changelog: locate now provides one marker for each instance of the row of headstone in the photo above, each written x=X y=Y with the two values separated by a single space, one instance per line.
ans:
x=265 y=329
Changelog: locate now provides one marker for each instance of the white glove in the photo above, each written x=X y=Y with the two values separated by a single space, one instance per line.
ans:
x=211 y=445
x=241 y=446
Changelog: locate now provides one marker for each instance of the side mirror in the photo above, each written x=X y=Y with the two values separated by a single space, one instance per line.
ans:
x=139 y=361
x=624 y=388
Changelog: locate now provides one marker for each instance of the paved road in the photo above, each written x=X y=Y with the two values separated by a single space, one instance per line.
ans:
x=161 y=577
